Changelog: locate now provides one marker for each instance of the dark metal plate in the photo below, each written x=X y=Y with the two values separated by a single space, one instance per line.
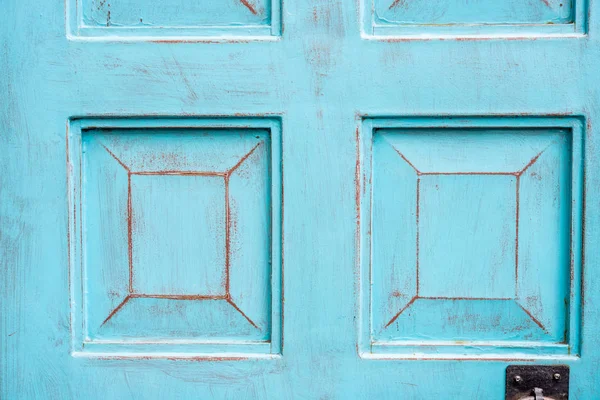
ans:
x=521 y=380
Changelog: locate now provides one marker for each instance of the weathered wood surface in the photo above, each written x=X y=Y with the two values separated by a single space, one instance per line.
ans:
x=299 y=199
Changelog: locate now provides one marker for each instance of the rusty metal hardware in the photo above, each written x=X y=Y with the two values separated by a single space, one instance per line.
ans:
x=536 y=394
x=537 y=382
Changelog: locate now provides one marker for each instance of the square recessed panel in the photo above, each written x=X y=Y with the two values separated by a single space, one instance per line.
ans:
x=179 y=239
x=442 y=18
x=470 y=237
x=175 y=236
x=465 y=241
x=173 y=18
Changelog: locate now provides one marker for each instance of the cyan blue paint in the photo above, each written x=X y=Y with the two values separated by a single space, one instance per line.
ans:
x=177 y=19
x=477 y=204
x=421 y=19
x=456 y=12
x=171 y=244
x=190 y=91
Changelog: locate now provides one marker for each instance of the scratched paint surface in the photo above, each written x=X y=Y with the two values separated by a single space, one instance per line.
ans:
x=174 y=12
x=322 y=81
x=175 y=235
x=473 y=12
x=484 y=205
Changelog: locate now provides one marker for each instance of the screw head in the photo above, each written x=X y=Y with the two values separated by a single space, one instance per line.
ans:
x=556 y=377
x=518 y=379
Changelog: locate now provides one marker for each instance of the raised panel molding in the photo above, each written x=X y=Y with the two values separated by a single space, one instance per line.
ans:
x=173 y=19
x=425 y=19
x=175 y=236
x=470 y=237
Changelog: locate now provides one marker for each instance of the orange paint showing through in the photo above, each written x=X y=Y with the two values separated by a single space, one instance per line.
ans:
x=417 y=297
x=249 y=6
x=113 y=312
x=173 y=172
x=177 y=296
x=418 y=212
x=517 y=237
x=241 y=312
x=169 y=297
x=534 y=319
x=395 y=317
x=117 y=159
x=130 y=232
x=408 y=162
x=396 y=3
x=226 y=175
x=470 y=173
x=227 y=235
x=236 y=166
x=466 y=298
x=530 y=163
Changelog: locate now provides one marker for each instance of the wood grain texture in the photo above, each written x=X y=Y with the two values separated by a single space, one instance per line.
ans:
x=421 y=19
x=468 y=266
x=320 y=79
x=175 y=245
x=194 y=20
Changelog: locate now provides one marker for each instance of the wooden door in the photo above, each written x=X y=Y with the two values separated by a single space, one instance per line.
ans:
x=297 y=199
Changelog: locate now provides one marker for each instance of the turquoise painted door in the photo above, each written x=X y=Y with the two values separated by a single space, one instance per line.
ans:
x=325 y=199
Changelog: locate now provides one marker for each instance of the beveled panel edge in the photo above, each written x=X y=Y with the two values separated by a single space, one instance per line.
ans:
x=471 y=32
x=76 y=31
x=367 y=122
x=194 y=350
